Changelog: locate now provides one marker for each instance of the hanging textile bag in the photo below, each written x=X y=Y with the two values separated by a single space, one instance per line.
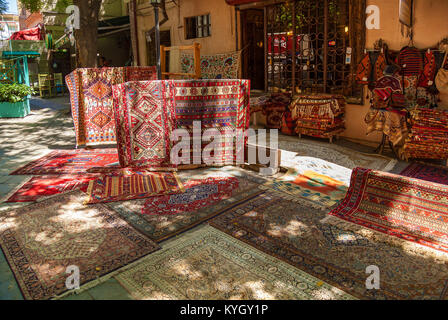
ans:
x=442 y=78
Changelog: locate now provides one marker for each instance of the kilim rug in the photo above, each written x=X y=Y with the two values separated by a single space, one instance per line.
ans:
x=222 y=105
x=144 y=118
x=209 y=265
x=91 y=100
x=336 y=251
x=44 y=186
x=323 y=190
x=41 y=240
x=97 y=125
x=162 y=217
x=69 y=162
x=412 y=209
x=217 y=66
x=137 y=185
x=428 y=172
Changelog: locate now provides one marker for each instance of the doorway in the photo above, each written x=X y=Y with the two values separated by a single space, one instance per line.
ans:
x=252 y=37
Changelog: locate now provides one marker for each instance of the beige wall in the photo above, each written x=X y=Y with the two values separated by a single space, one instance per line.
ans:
x=222 y=29
x=431 y=25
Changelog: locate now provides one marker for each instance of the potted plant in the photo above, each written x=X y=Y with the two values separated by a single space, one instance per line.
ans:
x=14 y=100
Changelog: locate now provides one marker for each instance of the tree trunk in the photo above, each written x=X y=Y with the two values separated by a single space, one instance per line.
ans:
x=87 y=36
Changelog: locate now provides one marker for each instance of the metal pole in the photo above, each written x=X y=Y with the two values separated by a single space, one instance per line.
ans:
x=157 y=31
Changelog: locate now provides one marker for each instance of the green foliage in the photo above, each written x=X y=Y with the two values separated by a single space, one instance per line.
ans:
x=14 y=92
x=3 y=6
x=38 y=5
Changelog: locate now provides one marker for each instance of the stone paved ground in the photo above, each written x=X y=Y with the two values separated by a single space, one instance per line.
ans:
x=48 y=127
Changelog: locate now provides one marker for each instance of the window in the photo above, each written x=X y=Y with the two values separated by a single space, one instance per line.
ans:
x=198 y=27
x=308 y=44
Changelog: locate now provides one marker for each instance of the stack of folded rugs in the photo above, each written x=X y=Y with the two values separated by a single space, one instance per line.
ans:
x=428 y=138
x=320 y=116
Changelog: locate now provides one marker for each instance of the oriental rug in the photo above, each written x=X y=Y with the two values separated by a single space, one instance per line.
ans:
x=140 y=73
x=162 y=217
x=323 y=190
x=206 y=106
x=217 y=66
x=41 y=240
x=209 y=265
x=69 y=162
x=44 y=186
x=428 y=172
x=333 y=153
x=96 y=107
x=412 y=209
x=138 y=185
x=144 y=118
x=91 y=100
x=336 y=251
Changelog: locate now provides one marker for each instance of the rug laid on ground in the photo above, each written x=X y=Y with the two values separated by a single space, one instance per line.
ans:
x=334 y=250
x=91 y=100
x=208 y=192
x=208 y=264
x=144 y=118
x=69 y=162
x=44 y=186
x=426 y=171
x=110 y=188
x=339 y=155
x=41 y=240
x=209 y=107
x=323 y=190
x=412 y=209
x=217 y=66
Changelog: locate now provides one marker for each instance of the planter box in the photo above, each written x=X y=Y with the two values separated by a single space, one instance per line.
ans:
x=15 y=110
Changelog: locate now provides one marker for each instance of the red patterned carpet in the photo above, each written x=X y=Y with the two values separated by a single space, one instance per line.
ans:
x=44 y=186
x=69 y=162
x=428 y=172
x=412 y=209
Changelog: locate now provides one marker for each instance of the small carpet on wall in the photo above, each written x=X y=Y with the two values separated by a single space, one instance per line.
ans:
x=428 y=172
x=110 y=188
x=69 y=162
x=208 y=264
x=335 y=251
x=412 y=209
x=162 y=217
x=44 y=186
x=41 y=240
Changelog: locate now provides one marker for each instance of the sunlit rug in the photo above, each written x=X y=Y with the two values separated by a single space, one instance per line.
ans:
x=303 y=181
x=208 y=264
x=336 y=251
x=69 y=162
x=44 y=186
x=333 y=153
x=412 y=209
x=162 y=217
x=137 y=185
x=428 y=172
x=41 y=240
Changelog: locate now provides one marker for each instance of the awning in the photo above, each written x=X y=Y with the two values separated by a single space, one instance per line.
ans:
x=15 y=54
x=113 y=25
x=238 y=2
x=27 y=34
